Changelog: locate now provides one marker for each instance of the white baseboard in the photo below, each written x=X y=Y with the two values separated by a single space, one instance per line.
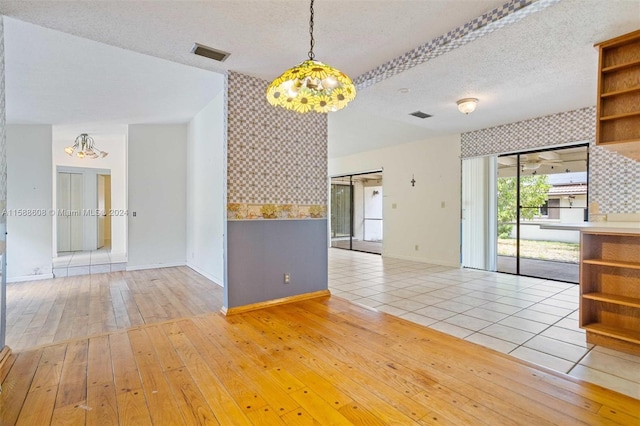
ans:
x=439 y=262
x=155 y=266
x=207 y=275
x=29 y=278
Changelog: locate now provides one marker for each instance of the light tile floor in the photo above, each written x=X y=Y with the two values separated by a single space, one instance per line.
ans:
x=99 y=261
x=529 y=318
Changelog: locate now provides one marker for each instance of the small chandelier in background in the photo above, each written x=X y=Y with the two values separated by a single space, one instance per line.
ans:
x=467 y=105
x=85 y=147
x=311 y=85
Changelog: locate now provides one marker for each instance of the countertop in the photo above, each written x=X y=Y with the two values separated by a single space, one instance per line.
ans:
x=619 y=227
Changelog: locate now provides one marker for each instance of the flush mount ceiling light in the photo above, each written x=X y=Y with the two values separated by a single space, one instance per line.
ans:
x=85 y=147
x=467 y=105
x=311 y=85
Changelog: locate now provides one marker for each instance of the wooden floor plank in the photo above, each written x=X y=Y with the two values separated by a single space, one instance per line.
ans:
x=16 y=385
x=72 y=387
x=161 y=401
x=316 y=372
x=241 y=390
x=99 y=367
x=223 y=405
x=125 y=372
x=252 y=372
x=192 y=403
x=49 y=368
x=299 y=417
x=39 y=406
x=49 y=311
x=169 y=358
x=323 y=361
x=102 y=405
x=132 y=408
x=71 y=415
x=448 y=362
x=580 y=405
x=318 y=408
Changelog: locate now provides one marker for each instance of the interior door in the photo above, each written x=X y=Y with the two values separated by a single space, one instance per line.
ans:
x=64 y=205
x=70 y=189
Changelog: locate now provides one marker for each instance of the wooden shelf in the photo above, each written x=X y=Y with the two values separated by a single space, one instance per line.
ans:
x=620 y=92
x=612 y=263
x=610 y=289
x=632 y=336
x=621 y=66
x=619 y=143
x=618 y=106
x=617 y=116
x=613 y=298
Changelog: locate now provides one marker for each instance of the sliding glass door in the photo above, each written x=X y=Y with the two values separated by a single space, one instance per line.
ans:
x=535 y=189
x=341 y=208
x=356 y=212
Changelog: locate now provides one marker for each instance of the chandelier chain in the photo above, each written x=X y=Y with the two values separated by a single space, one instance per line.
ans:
x=313 y=42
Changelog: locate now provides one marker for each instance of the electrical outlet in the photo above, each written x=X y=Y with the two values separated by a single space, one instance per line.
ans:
x=442 y=205
x=287 y=278
x=417 y=247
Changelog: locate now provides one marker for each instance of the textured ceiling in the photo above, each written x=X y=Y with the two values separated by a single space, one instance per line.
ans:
x=56 y=78
x=543 y=64
x=264 y=37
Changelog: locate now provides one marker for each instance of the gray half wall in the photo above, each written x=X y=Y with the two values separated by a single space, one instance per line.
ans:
x=260 y=252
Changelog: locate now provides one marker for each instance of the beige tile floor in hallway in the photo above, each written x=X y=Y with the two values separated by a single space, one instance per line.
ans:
x=529 y=318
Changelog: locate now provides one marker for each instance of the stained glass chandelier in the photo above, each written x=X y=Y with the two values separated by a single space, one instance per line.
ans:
x=311 y=85
x=85 y=147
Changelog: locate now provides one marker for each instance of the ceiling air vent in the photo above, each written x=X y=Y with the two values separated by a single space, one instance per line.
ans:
x=209 y=52
x=420 y=114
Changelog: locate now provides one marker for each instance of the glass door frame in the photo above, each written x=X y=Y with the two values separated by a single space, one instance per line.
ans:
x=351 y=208
x=519 y=155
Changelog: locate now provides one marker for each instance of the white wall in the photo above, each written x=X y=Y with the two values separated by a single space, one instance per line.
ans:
x=29 y=238
x=205 y=196
x=418 y=217
x=116 y=146
x=157 y=196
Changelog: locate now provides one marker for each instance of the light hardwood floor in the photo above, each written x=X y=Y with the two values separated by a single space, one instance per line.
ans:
x=323 y=361
x=47 y=311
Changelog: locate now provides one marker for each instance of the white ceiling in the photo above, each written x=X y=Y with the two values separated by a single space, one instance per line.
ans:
x=542 y=64
x=84 y=86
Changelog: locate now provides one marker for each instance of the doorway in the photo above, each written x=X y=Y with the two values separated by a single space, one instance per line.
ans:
x=536 y=188
x=83 y=204
x=70 y=202
x=356 y=212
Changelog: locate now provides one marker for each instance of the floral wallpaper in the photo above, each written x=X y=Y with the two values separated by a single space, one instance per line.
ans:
x=276 y=159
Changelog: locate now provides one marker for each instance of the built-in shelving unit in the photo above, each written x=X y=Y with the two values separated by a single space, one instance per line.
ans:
x=610 y=289
x=618 y=110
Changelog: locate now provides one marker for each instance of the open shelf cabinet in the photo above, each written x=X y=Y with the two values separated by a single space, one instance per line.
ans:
x=610 y=289
x=618 y=109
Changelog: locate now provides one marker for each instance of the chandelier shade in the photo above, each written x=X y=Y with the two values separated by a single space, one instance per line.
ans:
x=85 y=147
x=311 y=85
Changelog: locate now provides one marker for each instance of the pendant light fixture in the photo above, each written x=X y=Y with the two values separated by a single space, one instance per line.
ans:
x=85 y=147
x=311 y=85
